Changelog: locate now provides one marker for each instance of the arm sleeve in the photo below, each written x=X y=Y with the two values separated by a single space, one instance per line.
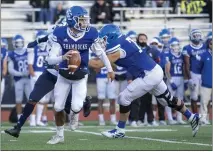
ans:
x=55 y=54
x=30 y=56
x=186 y=52
x=11 y=69
x=43 y=39
x=98 y=49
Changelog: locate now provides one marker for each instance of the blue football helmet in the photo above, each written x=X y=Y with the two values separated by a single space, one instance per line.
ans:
x=41 y=34
x=132 y=35
x=77 y=17
x=196 y=36
x=4 y=43
x=174 y=44
x=165 y=35
x=18 y=41
x=109 y=33
x=209 y=35
x=156 y=43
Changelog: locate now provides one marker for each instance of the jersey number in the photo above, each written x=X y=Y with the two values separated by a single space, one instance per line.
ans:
x=22 y=66
x=178 y=68
x=40 y=61
x=131 y=41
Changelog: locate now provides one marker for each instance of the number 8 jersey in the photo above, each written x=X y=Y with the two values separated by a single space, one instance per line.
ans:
x=19 y=59
x=176 y=64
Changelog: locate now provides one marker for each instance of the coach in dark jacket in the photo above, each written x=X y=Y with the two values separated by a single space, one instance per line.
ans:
x=101 y=12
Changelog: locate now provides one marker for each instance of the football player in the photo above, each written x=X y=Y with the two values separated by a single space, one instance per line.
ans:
x=4 y=55
x=193 y=65
x=36 y=57
x=77 y=35
x=174 y=74
x=18 y=67
x=132 y=35
x=206 y=78
x=122 y=51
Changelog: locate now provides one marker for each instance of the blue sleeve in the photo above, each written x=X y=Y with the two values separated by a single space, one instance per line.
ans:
x=94 y=33
x=129 y=76
x=186 y=51
x=43 y=39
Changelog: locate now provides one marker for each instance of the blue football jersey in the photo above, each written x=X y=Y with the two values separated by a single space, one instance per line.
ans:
x=193 y=53
x=3 y=55
x=62 y=36
x=20 y=62
x=136 y=61
x=39 y=58
x=176 y=68
x=206 y=72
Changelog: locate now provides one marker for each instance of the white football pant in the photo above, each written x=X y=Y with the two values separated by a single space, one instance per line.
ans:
x=197 y=80
x=22 y=86
x=2 y=88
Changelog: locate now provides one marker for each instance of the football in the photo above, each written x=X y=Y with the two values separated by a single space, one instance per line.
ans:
x=74 y=61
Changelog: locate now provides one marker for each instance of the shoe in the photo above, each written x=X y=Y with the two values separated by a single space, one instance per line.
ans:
x=102 y=123
x=195 y=123
x=39 y=123
x=32 y=123
x=181 y=122
x=153 y=124
x=113 y=122
x=205 y=122
x=73 y=121
x=133 y=124
x=115 y=133
x=172 y=122
x=55 y=140
x=87 y=106
x=162 y=123
x=140 y=123
x=13 y=132
x=80 y=124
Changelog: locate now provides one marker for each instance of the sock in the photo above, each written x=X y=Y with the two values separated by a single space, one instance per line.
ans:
x=145 y=118
x=19 y=115
x=44 y=118
x=169 y=113
x=32 y=118
x=113 y=117
x=39 y=111
x=121 y=124
x=28 y=109
x=154 y=113
x=179 y=116
x=101 y=117
x=60 y=131
x=187 y=114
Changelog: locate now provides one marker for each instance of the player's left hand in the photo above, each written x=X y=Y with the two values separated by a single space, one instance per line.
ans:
x=173 y=85
x=111 y=76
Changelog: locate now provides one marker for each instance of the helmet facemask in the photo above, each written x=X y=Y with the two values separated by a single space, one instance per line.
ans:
x=196 y=38
x=82 y=23
x=18 y=44
x=175 y=47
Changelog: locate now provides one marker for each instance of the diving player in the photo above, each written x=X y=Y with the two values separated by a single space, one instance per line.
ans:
x=192 y=64
x=174 y=74
x=36 y=57
x=4 y=55
x=149 y=78
x=77 y=35
x=18 y=67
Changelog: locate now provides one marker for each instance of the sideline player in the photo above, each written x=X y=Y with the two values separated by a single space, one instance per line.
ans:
x=18 y=67
x=77 y=35
x=192 y=64
x=124 y=52
x=174 y=75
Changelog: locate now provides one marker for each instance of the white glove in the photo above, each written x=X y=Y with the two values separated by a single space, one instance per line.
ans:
x=191 y=84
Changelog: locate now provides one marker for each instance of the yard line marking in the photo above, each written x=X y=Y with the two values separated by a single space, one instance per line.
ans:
x=149 y=139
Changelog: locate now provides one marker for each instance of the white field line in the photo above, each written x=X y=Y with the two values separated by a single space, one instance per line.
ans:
x=150 y=139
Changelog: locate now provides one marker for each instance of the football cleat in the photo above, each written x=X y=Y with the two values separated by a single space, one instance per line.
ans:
x=172 y=122
x=87 y=106
x=133 y=124
x=40 y=123
x=113 y=122
x=162 y=123
x=56 y=140
x=102 y=123
x=13 y=132
x=195 y=123
x=115 y=133
x=181 y=122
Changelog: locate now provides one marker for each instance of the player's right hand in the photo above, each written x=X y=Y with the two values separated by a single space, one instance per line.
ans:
x=173 y=86
x=67 y=55
x=111 y=76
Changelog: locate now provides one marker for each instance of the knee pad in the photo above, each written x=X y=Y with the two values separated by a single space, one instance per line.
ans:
x=124 y=109
x=173 y=104
x=76 y=108
x=58 y=108
x=122 y=100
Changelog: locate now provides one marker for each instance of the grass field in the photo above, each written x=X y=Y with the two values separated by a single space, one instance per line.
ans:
x=88 y=137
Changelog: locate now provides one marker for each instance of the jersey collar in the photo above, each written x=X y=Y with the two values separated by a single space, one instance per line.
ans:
x=71 y=35
x=196 y=47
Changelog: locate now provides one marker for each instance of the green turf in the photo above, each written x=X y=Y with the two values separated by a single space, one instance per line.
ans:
x=140 y=138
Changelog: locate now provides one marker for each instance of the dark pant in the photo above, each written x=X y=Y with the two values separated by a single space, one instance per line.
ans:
x=134 y=111
x=161 y=110
x=146 y=107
